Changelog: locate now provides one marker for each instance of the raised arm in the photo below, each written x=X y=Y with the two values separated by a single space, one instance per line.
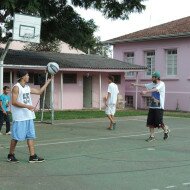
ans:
x=41 y=90
x=139 y=85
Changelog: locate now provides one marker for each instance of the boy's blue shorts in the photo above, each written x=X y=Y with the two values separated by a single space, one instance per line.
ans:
x=23 y=130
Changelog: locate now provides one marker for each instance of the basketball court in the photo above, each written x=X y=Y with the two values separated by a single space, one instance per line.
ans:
x=82 y=154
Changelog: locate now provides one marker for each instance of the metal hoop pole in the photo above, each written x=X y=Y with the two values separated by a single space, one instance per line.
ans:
x=44 y=98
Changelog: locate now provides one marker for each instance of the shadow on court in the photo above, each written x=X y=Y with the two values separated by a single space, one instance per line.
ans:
x=82 y=154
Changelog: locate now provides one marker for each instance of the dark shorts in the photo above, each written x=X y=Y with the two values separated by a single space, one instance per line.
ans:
x=155 y=118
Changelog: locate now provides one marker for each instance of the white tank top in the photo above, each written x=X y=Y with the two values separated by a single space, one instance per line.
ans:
x=22 y=114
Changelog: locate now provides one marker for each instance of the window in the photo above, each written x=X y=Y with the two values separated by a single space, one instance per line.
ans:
x=39 y=79
x=147 y=101
x=117 y=79
x=6 y=77
x=129 y=58
x=150 y=62
x=129 y=101
x=171 y=62
x=69 y=78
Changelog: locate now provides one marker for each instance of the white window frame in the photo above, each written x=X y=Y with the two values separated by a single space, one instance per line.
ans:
x=129 y=101
x=129 y=58
x=149 y=56
x=171 y=62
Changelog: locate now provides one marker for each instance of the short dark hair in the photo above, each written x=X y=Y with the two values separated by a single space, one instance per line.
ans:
x=21 y=73
x=110 y=77
x=6 y=87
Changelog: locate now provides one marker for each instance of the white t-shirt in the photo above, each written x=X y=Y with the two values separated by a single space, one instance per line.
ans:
x=22 y=114
x=158 y=97
x=113 y=90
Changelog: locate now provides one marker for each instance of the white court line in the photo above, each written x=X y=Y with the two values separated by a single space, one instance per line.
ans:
x=88 y=140
x=97 y=121
x=170 y=187
x=93 y=139
x=186 y=184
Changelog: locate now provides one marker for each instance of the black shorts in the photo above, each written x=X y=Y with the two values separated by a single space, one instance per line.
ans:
x=155 y=118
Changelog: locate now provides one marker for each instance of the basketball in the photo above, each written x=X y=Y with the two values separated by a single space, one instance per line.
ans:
x=52 y=68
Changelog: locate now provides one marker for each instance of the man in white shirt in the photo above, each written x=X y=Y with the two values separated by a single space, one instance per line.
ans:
x=156 y=108
x=111 y=101
x=23 y=115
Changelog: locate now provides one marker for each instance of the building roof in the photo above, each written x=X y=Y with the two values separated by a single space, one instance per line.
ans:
x=175 y=29
x=72 y=61
x=63 y=47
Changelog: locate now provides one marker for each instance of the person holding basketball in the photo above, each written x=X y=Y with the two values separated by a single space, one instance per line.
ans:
x=156 y=109
x=23 y=115
x=111 y=101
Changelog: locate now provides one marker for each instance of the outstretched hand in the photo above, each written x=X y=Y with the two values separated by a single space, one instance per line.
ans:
x=143 y=92
x=133 y=84
x=49 y=79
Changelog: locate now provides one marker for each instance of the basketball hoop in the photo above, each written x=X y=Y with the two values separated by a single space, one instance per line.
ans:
x=26 y=28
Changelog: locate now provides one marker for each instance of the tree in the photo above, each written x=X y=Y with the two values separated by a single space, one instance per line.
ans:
x=44 y=46
x=61 y=22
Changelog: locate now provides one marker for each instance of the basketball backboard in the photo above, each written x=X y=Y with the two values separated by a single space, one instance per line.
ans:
x=26 y=28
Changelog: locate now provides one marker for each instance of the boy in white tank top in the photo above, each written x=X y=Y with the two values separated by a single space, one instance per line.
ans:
x=23 y=114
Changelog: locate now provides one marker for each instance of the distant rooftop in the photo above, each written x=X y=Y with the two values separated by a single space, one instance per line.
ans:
x=174 y=29
x=64 y=47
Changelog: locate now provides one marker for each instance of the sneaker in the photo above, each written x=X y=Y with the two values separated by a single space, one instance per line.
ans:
x=166 y=135
x=150 y=139
x=1 y=133
x=114 y=126
x=11 y=158
x=8 y=133
x=35 y=158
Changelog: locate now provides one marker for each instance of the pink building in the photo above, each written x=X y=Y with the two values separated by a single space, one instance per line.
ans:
x=80 y=83
x=165 y=48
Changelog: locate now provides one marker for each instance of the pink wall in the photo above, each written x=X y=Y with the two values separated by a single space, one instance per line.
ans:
x=73 y=93
x=177 y=87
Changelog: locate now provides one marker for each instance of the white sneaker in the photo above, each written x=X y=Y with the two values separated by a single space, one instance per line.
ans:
x=8 y=133
x=1 y=133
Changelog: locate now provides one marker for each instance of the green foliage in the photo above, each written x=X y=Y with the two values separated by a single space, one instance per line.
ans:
x=61 y=22
x=112 y=9
x=86 y=114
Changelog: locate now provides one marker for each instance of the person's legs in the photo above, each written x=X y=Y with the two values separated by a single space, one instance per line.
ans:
x=30 y=136
x=18 y=134
x=108 y=112
x=150 y=124
x=151 y=129
x=159 y=118
x=31 y=147
x=1 y=120
x=166 y=131
x=111 y=121
x=11 y=155
x=12 y=146
x=33 y=157
x=7 y=119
